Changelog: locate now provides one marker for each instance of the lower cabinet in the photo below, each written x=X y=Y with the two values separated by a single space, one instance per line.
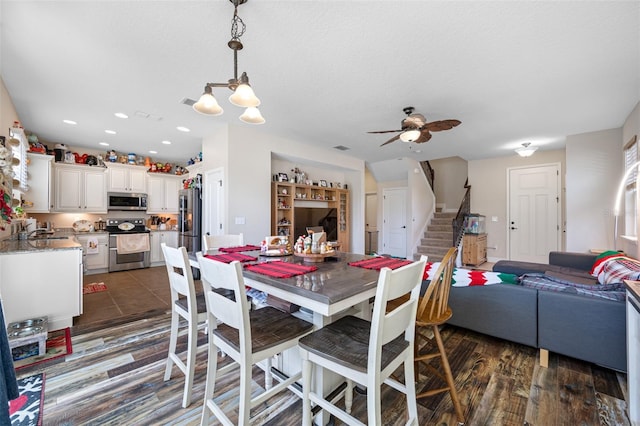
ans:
x=42 y=283
x=474 y=249
x=170 y=238
x=94 y=259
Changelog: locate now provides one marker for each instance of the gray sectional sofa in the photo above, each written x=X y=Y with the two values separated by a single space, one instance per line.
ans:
x=581 y=326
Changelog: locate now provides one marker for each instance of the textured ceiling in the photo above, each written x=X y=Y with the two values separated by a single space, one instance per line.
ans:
x=326 y=71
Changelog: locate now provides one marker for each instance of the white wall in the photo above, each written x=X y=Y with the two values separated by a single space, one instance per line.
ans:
x=488 y=180
x=593 y=166
x=246 y=157
x=422 y=205
x=450 y=174
x=630 y=128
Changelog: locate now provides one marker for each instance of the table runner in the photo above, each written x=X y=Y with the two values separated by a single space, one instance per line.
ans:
x=280 y=269
x=378 y=263
x=248 y=247
x=230 y=257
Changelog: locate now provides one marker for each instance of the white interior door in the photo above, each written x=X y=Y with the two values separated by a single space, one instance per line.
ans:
x=371 y=223
x=394 y=223
x=213 y=202
x=534 y=212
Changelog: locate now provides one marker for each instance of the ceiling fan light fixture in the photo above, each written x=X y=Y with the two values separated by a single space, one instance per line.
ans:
x=207 y=104
x=252 y=116
x=410 y=135
x=526 y=150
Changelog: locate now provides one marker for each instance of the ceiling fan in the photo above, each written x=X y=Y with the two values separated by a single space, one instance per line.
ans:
x=415 y=128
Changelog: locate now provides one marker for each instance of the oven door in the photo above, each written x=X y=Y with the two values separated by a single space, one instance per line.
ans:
x=125 y=262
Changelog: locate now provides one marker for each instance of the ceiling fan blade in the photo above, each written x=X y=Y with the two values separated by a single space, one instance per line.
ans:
x=395 y=138
x=424 y=137
x=437 y=126
x=386 y=131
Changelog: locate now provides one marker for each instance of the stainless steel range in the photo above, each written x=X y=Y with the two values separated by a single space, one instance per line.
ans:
x=129 y=244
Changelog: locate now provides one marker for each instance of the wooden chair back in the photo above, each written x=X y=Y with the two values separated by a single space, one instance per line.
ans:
x=434 y=304
x=180 y=276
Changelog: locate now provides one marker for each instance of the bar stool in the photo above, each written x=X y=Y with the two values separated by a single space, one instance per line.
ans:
x=248 y=337
x=434 y=311
x=185 y=304
x=368 y=352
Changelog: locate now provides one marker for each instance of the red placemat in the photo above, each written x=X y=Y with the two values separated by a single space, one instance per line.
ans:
x=280 y=269
x=236 y=249
x=230 y=257
x=378 y=263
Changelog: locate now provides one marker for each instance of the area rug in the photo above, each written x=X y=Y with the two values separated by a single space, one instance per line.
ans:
x=58 y=345
x=93 y=288
x=26 y=410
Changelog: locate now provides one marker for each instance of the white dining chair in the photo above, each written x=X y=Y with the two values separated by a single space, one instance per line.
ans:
x=249 y=337
x=186 y=304
x=213 y=242
x=367 y=352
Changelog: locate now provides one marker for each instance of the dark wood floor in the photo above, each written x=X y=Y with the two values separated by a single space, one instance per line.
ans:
x=115 y=376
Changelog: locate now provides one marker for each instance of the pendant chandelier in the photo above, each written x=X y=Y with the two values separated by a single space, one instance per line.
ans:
x=243 y=95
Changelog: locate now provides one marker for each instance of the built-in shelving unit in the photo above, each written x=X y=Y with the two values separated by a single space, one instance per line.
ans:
x=285 y=197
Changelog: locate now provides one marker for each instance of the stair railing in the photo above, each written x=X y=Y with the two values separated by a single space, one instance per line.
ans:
x=428 y=172
x=458 y=221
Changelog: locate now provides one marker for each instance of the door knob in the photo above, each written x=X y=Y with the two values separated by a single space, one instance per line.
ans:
x=513 y=227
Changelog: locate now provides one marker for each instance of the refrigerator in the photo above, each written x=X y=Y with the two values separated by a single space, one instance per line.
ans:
x=190 y=221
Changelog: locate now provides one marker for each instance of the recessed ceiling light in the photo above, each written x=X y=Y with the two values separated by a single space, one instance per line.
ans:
x=111 y=132
x=166 y=142
x=103 y=144
x=73 y=123
x=121 y=115
x=183 y=129
x=153 y=152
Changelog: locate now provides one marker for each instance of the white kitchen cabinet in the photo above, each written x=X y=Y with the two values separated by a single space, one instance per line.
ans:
x=163 y=193
x=80 y=188
x=170 y=238
x=95 y=262
x=40 y=283
x=37 y=199
x=127 y=178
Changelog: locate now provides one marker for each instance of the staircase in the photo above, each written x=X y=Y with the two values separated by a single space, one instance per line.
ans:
x=438 y=237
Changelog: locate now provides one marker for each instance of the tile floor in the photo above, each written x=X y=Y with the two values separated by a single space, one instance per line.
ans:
x=129 y=294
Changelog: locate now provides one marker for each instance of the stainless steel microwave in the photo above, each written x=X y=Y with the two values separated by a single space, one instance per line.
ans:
x=126 y=201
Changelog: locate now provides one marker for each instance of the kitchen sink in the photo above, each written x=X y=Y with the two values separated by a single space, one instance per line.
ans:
x=48 y=237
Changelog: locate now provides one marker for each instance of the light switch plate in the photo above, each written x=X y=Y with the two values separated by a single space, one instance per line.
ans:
x=240 y=220
x=494 y=218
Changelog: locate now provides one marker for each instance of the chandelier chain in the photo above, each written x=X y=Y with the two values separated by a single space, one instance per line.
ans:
x=237 y=26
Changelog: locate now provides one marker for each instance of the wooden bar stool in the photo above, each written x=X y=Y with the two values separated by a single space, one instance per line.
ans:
x=434 y=311
x=186 y=304
x=368 y=352
x=248 y=337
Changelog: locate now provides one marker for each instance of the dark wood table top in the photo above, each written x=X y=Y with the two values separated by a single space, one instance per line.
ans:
x=332 y=284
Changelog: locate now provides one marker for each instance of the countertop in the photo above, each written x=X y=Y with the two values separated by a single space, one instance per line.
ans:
x=15 y=246
x=633 y=287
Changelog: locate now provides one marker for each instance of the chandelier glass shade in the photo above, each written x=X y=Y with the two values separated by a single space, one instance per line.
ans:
x=243 y=95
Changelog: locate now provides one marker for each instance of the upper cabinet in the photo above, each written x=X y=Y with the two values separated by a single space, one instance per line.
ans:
x=127 y=178
x=37 y=198
x=80 y=188
x=163 y=193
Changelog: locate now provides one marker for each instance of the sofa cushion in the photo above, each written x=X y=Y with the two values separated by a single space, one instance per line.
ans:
x=584 y=279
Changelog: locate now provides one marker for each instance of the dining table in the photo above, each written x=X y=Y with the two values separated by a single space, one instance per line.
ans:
x=332 y=290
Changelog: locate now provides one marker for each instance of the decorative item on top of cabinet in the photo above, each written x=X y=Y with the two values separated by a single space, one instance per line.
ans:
x=127 y=178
